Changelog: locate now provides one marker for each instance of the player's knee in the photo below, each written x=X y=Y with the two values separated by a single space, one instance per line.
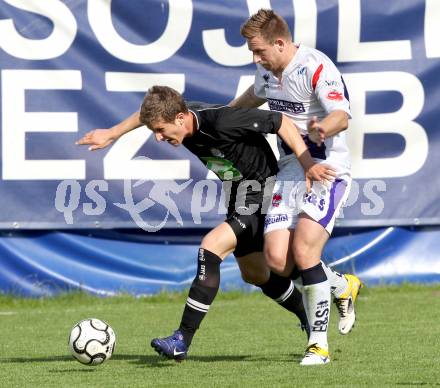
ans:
x=302 y=253
x=218 y=244
x=213 y=245
x=208 y=243
x=275 y=260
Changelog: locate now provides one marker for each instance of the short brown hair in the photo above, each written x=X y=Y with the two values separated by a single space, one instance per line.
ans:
x=267 y=24
x=161 y=103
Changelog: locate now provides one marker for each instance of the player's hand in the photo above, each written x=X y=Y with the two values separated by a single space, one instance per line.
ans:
x=316 y=133
x=97 y=139
x=319 y=173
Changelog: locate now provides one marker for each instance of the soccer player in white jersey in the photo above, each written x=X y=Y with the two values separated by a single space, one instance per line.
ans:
x=225 y=139
x=304 y=84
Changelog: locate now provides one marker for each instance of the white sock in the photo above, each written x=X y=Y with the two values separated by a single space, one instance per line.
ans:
x=338 y=282
x=316 y=298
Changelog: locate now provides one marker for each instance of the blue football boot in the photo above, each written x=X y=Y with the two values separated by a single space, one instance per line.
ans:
x=172 y=347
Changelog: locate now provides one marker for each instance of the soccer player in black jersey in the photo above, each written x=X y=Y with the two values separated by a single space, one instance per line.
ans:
x=229 y=141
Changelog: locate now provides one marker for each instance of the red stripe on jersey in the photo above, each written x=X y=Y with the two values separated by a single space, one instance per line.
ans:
x=316 y=76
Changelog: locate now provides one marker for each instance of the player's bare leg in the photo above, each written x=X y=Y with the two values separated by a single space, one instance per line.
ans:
x=253 y=268
x=277 y=250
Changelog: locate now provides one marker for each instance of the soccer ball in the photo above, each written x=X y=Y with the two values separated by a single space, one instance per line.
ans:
x=92 y=341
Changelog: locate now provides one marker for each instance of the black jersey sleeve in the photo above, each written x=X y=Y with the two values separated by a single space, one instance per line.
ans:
x=241 y=121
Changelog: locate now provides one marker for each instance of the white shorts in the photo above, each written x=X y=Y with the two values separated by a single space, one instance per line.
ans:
x=289 y=199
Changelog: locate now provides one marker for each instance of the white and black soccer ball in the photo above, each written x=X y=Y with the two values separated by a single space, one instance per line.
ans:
x=92 y=341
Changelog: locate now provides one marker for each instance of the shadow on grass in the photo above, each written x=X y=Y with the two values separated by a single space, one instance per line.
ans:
x=417 y=383
x=155 y=361
x=36 y=359
x=160 y=362
x=296 y=357
x=84 y=369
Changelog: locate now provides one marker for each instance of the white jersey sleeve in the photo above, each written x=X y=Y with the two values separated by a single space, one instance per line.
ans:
x=329 y=87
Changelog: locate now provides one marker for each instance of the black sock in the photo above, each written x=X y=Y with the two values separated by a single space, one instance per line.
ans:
x=295 y=273
x=282 y=291
x=313 y=275
x=201 y=294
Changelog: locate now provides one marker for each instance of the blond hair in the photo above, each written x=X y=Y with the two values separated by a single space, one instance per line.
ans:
x=267 y=24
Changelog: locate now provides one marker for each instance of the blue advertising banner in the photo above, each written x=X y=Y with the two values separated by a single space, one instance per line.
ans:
x=70 y=66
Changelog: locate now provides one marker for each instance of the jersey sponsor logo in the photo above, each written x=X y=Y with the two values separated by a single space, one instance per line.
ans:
x=332 y=83
x=286 y=106
x=223 y=168
x=275 y=218
x=335 y=96
x=276 y=199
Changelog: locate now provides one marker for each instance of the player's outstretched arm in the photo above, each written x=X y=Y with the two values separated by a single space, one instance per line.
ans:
x=313 y=171
x=247 y=100
x=101 y=138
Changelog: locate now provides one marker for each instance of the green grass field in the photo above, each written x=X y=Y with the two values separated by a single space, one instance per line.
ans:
x=246 y=340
